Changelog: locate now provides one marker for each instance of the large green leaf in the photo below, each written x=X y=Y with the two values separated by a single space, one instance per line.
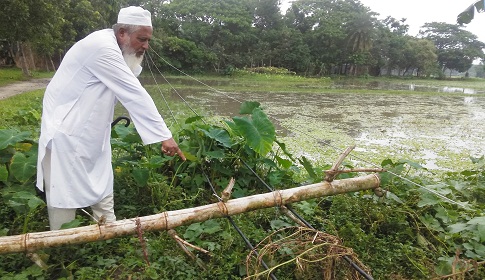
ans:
x=477 y=221
x=215 y=154
x=22 y=167
x=156 y=161
x=193 y=119
x=141 y=176
x=24 y=202
x=481 y=232
x=3 y=173
x=72 y=224
x=448 y=216
x=458 y=227
x=9 y=137
x=428 y=199
x=392 y=196
x=220 y=135
x=468 y=14
x=284 y=149
x=285 y=163
x=308 y=167
x=127 y=134
x=431 y=222
x=248 y=107
x=259 y=131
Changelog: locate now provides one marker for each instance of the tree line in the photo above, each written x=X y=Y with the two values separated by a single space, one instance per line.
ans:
x=313 y=38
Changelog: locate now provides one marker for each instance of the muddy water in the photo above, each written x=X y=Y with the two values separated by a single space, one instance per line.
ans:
x=440 y=132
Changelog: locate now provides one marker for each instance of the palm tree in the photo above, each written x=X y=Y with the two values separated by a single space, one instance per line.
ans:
x=360 y=31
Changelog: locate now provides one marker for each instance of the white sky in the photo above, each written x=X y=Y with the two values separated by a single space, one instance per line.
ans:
x=419 y=12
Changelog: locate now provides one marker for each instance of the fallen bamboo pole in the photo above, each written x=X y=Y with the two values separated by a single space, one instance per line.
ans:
x=31 y=242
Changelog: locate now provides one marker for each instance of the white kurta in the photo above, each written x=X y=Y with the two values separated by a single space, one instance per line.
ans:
x=77 y=113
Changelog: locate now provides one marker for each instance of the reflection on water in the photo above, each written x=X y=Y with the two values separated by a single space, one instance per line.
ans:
x=376 y=85
x=437 y=131
x=458 y=90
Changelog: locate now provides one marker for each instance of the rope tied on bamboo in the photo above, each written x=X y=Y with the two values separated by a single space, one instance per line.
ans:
x=139 y=232
x=25 y=237
x=278 y=198
x=165 y=216
x=223 y=208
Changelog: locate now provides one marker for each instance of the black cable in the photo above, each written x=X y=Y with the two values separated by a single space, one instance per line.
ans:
x=243 y=236
x=261 y=180
x=354 y=265
x=272 y=190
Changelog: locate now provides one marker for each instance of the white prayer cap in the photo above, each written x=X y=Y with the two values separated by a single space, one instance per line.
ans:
x=135 y=16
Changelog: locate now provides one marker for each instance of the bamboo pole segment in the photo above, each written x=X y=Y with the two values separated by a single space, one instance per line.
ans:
x=32 y=242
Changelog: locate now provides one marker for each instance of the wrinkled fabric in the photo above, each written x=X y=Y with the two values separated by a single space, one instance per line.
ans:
x=78 y=109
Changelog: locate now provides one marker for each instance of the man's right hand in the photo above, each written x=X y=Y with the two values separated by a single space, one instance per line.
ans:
x=170 y=148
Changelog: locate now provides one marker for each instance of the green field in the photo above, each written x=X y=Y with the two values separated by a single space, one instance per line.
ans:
x=425 y=226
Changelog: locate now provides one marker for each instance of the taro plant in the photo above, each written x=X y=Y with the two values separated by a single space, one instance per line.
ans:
x=18 y=160
x=447 y=216
x=235 y=148
x=238 y=148
x=410 y=232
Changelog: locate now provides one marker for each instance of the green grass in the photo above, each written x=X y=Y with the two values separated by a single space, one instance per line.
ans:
x=12 y=75
x=22 y=110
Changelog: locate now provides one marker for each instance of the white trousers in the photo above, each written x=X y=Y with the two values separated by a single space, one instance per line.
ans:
x=60 y=216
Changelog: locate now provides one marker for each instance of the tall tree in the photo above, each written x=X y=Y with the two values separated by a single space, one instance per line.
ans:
x=419 y=56
x=268 y=27
x=456 y=47
x=221 y=27
x=360 y=30
x=48 y=27
x=331 y=30
x=267 y=14
x=388 y=44
x=27 y=24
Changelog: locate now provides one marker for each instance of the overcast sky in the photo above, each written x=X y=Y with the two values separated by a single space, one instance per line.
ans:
x=418 y=12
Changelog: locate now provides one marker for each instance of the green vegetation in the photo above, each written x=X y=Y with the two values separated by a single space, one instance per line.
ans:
x=410 y=233
x=313 y=38
x=468 y=14
x=11 y=75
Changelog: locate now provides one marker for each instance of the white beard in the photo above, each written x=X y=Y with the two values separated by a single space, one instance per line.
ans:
x=129 y=55
x=133 y=62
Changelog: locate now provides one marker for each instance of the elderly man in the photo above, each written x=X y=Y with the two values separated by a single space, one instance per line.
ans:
x=74 y=162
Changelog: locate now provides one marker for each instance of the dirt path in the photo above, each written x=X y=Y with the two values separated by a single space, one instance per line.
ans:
x=20 y=87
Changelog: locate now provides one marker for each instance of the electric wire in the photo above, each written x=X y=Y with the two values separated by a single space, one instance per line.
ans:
x=158 y=87
x=197 y=80
x=248 y=244
x=306 y=223
x=171 y=86
x=243 y=236
x=231 y=220
x=326 y=143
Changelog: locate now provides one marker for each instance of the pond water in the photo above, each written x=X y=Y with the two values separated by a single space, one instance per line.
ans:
x=439 y=131
x=376 y=85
